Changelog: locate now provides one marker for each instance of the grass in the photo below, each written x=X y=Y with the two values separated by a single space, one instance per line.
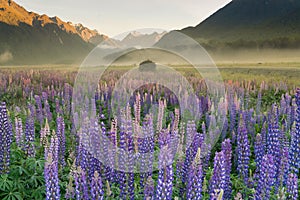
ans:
x=288 y=73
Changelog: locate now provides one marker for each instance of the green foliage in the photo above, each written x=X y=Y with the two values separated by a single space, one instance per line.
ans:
x=25 y=179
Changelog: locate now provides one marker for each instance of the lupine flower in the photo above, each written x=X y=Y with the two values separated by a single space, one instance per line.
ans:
x=195 y=179
x=51 y=179
x=39 y=109
x=259 y=152
x=294 y=151
x=258 y=104
x=283 y=168
x=179 y=165
x=266 y=178
x=81 y=186
x=51 y=170
x=161 y=110
x=44 y=133
x=19 y=132
x=292 y=187
x=82 y=158
x=243 y=149
x=165 y=175
x=6 y=135
x=60 y=131
x=121 y=176
x=96 y=187
x=294 y=106
x=130 y=174
x=264 y=134
x=57 y=107
x=232 y=118
x=67 y=98
x=273 y=137
x=176 y=121
x=227 y=149
x=149 y=189
x=29 y=137
x=47 y=111
x=218 y=179
x=194 y=140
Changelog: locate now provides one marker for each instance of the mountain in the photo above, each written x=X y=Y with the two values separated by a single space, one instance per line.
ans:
x=88 y=35
x=250 y=24
x=138 y=39
x=30 y=38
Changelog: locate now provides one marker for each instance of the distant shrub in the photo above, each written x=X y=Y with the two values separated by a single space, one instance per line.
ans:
x=147 y=65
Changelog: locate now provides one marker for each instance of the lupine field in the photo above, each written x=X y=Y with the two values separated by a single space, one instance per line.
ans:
x=42 y=153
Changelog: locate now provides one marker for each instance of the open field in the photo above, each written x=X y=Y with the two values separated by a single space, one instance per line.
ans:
x=227 y=148
x=288 y=73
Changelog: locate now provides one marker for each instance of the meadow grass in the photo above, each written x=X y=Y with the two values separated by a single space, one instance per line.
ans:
x=288 y=72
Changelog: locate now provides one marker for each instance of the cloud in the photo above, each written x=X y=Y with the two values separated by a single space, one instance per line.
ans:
x=5 y=57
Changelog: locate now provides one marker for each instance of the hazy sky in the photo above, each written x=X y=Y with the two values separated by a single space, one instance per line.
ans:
x=113 y=17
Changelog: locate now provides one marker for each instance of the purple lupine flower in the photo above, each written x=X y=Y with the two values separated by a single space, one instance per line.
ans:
x=121 y=158
x=6 y=135
x=19 y=132
x=96 y=187
x=67 y=98
x=44 y=133
x=179 y=165
x=232 y=117
x=149 y=189
x=266 y=178
x=39 y=109
x=292 y=187
x=190 y=192
x=283 y=168
x=32 y=110
x=57 y=107
x=47 y=111
x=227 y=149
x=264 y=135
x=195 y=179
x=243 y=149
x=81 y=186
x=294 y=151
x=218 y=179
x=53 y=148
x=258 y=103
x=259 y=151
x=29 y=137
x=105 y=151
x=165 y=175
x=60 y=132
x=225 y=128
x=130 y=174
x=51 y=170
x=147 y=148
x=199 y=182
x=51 y=178
x=83 y=158
x=161 y=110
x=273 y=137
x=294 y=109
x=176 y=121
x=195 y=140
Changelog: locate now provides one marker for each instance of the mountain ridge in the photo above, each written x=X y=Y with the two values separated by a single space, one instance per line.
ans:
x=250 y=24
x=30 y=38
